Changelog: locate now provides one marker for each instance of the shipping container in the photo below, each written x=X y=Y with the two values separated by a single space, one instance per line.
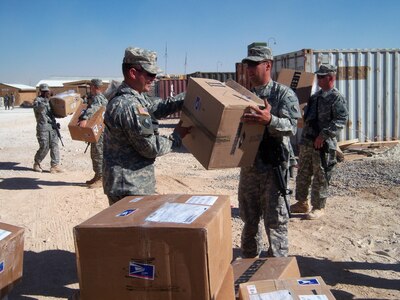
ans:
x=221 y=76
x=369 y=79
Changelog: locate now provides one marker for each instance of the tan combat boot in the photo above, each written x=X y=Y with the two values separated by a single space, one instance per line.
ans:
x=316 y=214
x=301 y=207
x=96 y=184
x=37 y=168
x=56 y=169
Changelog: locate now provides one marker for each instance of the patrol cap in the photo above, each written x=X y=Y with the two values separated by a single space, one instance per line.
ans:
x=145 y=58
x=44 y=87
x=96 y=82
x=258 y=54
x=325 y=69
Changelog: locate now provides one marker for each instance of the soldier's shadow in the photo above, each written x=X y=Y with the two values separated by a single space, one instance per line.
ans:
x=46 y=273
x=26 y=183
x=13 y=166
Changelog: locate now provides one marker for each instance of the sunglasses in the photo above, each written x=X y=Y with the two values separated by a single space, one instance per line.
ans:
x=321 y=76
x=150 y=75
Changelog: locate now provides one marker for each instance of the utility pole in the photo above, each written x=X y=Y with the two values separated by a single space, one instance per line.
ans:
x=185 y=62
x=166 y=57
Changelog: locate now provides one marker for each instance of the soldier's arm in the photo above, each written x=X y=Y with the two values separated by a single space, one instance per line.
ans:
x=39 y=105
x=339 y=118
x=164 y=107
x=92 y=109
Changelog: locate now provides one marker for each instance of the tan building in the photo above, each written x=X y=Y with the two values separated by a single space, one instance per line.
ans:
x=23 y=93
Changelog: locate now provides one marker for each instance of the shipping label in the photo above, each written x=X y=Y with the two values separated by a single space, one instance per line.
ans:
x=310 y=281
x=313 y=297
x=204 y=200
x=177 y=213
x=126 y=212
x=281 y=295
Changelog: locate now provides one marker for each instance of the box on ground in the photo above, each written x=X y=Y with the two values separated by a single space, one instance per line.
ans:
x=288 y=289
x=11 y=257
x=65 y=104
x=218 y=138
x=93 y=129
x=156 y=247
x=300 y=82
x=254 y=269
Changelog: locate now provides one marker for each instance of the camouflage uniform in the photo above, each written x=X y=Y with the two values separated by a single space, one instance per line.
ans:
x=325 y=115
x=132 y=141
x=259 y=194
x=96 y=149
x=45 y=133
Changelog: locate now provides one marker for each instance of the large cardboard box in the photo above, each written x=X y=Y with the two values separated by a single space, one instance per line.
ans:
x=300 y=82
x=156 y=247
x=65 y=104
x=11 y=257
x=218 y=138
x=287 y=289
x=93 y=129
x=254 y=269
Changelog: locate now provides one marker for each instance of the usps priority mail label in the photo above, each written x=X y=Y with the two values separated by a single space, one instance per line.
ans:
x=177 y=213
x=126 y=212
x=2 y=266
x=205 y=200
x=139 y=270
x=311 y=281
x=4 y=234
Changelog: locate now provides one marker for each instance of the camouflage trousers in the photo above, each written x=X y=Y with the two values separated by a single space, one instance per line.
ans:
x=48 y=140
x=310 y=167
x=96 y=154
x=259 y=197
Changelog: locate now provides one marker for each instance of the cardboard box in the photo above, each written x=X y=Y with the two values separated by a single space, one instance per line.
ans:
x=296 y=288
x=227 y=291
x=254 y=269
x=156 y=247
x=65 y=104
x=11 y=257
x=94 y=127
x=218 y=138
x=300 y=82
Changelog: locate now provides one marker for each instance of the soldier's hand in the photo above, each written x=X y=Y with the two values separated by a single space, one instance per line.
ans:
x=82 y=123
x=319 y=142
x=257 y=115
x=182 y=131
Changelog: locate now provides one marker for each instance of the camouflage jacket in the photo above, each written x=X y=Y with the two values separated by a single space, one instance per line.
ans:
x=96 y=102
x=285 y=111
x=132 y=141
x=325 y=115
x=43 y=114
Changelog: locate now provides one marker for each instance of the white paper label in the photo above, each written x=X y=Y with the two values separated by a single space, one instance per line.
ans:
x=276 y=295
x=204 y=200
x=313 y=297
x=251 y=289
x=135 y=199
x=4 y=234
x=177 y=213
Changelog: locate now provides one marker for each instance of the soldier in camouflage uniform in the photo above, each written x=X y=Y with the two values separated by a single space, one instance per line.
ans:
x=259 y=195
x=46 y=132
x=131 y=139
x=96 y=149
x=324 y=116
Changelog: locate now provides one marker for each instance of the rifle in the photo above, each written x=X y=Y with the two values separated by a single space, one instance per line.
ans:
x=283 y=186
x=56 y=126
x=324 y=163
x=88 y=144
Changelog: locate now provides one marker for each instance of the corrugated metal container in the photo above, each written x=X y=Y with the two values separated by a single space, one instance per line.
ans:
x=369 y=79
x=221 y=76
x=170 y=87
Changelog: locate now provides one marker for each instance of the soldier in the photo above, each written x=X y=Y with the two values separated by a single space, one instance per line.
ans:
x=131 y=140
x=46 y=131
x=96 y=149
x=259 y=192
x=6 y=102
x=324 y=116
x=12 y=101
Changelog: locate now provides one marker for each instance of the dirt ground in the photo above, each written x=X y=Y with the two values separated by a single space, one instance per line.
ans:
x=355 y=248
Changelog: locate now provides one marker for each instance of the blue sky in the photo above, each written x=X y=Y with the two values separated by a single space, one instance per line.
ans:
x=45 y=38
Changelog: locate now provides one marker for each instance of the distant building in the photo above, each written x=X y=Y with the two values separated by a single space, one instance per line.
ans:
x=23 y=93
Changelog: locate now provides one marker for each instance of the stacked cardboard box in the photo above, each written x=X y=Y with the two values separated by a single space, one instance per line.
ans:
x=288 y=289
x=65 y=104
x=255 y=269
x=93 y=129
x=157 y=247
x=218 y=138
x=11 y=257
